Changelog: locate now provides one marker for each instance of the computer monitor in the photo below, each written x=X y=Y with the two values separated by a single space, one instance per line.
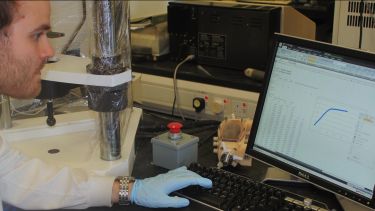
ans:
x=315 y=117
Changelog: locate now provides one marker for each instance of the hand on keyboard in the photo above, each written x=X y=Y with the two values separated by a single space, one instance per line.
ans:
x=153 y=192
x=237 y=193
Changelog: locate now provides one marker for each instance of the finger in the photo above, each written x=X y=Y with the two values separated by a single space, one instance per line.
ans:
x=180 y=183
x=204 y=182
x=174 y=202
x=192 y=178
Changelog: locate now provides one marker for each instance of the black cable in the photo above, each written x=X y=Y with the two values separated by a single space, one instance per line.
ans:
x=175 y=99
x=174 y=104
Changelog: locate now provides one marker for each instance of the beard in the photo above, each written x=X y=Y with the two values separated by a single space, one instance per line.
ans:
x=19 y=77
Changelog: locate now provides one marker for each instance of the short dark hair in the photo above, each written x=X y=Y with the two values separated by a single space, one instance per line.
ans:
x=7 y=8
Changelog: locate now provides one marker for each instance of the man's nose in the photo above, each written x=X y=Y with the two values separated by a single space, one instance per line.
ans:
x=46 y=50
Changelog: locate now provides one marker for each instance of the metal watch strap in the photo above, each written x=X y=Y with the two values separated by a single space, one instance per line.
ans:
x=124 y=190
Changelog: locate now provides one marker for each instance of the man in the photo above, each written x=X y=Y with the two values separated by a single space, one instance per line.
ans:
x=31 y=184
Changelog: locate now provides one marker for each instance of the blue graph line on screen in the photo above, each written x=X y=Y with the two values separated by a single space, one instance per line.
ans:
x=328 y=110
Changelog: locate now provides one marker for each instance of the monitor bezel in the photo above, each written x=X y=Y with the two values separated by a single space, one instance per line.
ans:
x=329 y=48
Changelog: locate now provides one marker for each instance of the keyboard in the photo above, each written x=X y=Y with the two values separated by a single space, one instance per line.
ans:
x=234 y=192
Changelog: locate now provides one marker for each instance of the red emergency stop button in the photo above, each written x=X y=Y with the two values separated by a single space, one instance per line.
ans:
x=174 y=127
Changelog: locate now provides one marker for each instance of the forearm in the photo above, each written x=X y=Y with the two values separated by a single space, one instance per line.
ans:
x=48 y=186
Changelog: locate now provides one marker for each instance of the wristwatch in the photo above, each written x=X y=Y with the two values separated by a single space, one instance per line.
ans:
x=123 y=193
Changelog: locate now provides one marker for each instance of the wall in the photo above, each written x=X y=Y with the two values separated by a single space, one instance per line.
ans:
x=147 y=8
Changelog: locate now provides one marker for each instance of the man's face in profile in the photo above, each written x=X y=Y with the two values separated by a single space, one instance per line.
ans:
x=24 y=48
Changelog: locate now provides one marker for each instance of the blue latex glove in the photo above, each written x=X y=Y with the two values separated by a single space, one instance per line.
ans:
x=153 y=192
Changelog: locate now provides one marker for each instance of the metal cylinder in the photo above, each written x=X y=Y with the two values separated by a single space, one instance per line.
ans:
x=110 y=55
x=105 y=37
x=110 y=139
x=5 y=117
x=111 y=35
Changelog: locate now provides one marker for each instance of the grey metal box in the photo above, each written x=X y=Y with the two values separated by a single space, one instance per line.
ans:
x=171 y=154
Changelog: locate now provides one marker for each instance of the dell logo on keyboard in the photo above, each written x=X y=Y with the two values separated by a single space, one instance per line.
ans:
x=304 y=175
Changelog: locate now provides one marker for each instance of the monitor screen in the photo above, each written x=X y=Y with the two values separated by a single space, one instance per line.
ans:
x=316 y=116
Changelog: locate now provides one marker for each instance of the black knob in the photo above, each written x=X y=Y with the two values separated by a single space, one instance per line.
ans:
x=51 y=121
x=199 y=104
